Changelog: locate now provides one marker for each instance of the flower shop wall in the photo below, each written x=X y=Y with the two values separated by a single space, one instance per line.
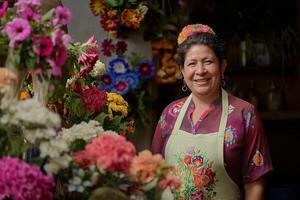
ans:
x=86 y=24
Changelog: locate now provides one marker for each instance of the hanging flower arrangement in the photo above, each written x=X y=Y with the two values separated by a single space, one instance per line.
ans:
x=165 y=55
x=117 y=17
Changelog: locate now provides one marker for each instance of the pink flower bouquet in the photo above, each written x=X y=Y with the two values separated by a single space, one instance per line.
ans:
x=36 y=42
x=21 y=181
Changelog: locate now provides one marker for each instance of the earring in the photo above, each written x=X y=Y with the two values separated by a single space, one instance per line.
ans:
x=184 y=87
x=223 y=82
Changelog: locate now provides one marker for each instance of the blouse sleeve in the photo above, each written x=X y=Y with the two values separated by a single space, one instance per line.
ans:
x=165 y=126
x=256 y=159
x=158 y=140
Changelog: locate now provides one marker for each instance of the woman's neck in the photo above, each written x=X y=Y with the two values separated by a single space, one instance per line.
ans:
x=203 y=102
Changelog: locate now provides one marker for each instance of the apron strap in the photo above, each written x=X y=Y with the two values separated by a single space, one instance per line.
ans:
x=222 y=127
x=223 y=121
x=181 y=114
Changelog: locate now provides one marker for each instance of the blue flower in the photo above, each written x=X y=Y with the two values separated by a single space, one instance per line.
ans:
x=108 y=80
x=118 y=66
x=121 y=87
x=145 y=69
x=131 y=78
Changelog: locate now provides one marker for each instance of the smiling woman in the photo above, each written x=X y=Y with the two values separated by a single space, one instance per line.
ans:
x=213 y=138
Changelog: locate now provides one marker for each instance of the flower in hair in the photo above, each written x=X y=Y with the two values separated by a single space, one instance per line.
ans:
x=191 y=29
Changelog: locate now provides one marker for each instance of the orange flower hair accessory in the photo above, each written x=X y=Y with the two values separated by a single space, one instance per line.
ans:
x=191 y=29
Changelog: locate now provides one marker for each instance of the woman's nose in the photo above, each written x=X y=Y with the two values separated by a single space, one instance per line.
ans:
x=201 y=68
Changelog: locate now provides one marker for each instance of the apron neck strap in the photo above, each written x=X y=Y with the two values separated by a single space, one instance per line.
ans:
x=223 y=122
x=187 y=103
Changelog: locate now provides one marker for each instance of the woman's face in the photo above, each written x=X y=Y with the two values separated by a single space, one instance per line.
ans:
x=202 y=71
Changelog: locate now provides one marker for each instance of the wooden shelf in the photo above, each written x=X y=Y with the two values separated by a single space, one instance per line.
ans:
x=280 y=115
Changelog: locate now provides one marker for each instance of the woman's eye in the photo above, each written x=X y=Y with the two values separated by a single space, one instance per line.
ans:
x=207 y=62
x=191 y=64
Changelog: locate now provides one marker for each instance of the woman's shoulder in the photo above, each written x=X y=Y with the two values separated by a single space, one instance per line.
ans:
x=174 y=107
x=240 y=104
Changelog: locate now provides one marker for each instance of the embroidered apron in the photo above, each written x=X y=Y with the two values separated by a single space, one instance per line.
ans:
x=199 y=161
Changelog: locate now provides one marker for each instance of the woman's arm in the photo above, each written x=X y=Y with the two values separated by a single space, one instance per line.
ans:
x=255 y=190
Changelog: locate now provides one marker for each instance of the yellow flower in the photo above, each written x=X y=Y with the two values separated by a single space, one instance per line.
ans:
x=97 y=7
x=116 y=103
x=24 y=95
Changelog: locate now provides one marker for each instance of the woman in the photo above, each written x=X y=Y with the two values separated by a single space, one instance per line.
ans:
x=215 y=140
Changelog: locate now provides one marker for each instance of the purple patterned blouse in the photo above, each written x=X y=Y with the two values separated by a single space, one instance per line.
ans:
x=246 y=153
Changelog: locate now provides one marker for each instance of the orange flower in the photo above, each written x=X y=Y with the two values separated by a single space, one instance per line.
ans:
x=97 y=7
x=131 y=18
x=145 y=165
x=24 y=95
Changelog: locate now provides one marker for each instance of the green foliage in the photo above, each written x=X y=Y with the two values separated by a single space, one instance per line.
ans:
x=77 y=145
x=115 y=3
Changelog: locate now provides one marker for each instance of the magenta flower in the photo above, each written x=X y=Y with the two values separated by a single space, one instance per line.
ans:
x=21 y=181
x=28 y=13
x=43 y=45
x=58 y=37
x=145 y=69
x=89 y=53
x=17 y=30
x=62 y=16
x=28 y=3
x=3 y=8
x=121 y=47
x=107 y=47
x=58 y=60
x=66 y=39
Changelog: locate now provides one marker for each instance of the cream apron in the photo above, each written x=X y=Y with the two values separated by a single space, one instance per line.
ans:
x=199 y=161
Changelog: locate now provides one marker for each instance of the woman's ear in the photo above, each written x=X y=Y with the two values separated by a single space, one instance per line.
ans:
x=182 y=71
x=223 y=66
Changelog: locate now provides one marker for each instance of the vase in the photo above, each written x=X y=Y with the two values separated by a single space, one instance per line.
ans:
x=40 y=87
x=11 y=80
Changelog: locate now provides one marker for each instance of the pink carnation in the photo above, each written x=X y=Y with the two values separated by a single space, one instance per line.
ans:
x=110 y=152
x=21 y=181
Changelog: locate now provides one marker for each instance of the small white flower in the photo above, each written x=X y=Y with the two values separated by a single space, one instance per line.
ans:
x=98 y=69
x=85 y=131
x=161 y=73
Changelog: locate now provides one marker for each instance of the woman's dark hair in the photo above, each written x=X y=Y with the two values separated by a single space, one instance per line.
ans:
x=203 y=38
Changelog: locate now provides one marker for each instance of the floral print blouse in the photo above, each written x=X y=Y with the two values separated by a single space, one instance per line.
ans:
x=246 y=153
